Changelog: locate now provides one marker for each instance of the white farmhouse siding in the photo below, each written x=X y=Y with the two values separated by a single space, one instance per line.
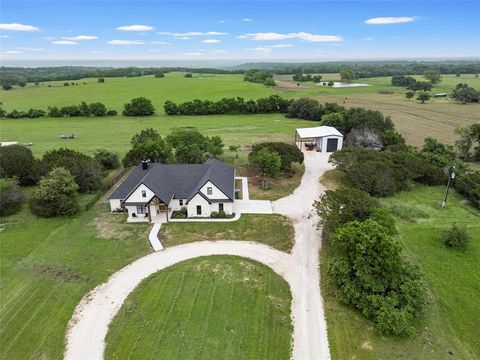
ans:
x=217 y=194
x=175 y=204
x=322 y=142
x=198 y=200
x=115 y=205
x=136 y=196
x=227 y=207
x=133 y=216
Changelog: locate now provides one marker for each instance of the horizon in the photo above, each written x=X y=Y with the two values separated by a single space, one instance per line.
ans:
x=226 y=32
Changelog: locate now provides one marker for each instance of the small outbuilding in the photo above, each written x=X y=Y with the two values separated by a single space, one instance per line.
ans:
x=321 y=138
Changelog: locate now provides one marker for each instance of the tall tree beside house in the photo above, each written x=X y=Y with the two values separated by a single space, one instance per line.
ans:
x=152 y=148
x=192 y=147
x=11 y=197
x=268 y=162
x=55 y=195
x=87 y=172
x=108 y=159
x=348 y=74
x=288 y=153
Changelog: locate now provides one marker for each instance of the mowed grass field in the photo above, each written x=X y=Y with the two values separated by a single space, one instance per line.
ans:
x=217 y=307
x=449 y=328
x=415 y=121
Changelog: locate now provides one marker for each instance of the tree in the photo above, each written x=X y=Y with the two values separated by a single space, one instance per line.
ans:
x=159 y=75
x=87 y=172
x=464 y=141
x=85 y=109
x=100 y=80
x=468 y=185
x=409 y=94
x=202 y=147
x=234 y=148
x=7 y=87
x=371 y=276
x=140 y=106
x=188 y=75
x=424 y=96
x=98 y=109
x=269 y=82
x=369 y=138
x=109 y=160
x=11 y=197
x=288 y=153
x=465 y=94
x=154 y=149
x=475 y=131
x=341 y=206
x=267 y=162
x=17 y=161
x=55 y=195
x=433 y=76
x=348 y=74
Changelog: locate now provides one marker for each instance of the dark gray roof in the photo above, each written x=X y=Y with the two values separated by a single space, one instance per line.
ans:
x=181 y=181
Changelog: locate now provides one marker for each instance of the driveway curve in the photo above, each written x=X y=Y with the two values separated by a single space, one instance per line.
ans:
x=89 y=325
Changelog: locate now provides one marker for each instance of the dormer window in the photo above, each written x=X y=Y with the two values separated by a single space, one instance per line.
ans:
x=209 y=191
x=144 y=193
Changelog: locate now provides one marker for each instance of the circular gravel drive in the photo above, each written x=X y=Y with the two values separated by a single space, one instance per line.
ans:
x=89 y=325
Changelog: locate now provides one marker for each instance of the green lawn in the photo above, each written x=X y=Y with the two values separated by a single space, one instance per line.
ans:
x=449 y=328
x=47 y=266
x=273 y=230
x=217 y=307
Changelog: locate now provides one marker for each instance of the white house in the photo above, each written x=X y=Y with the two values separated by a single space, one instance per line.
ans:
x=152 y=192
x=323 y=138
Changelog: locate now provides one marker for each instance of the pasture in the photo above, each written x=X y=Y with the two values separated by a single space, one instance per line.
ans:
x=449 y=326
x=216 y=307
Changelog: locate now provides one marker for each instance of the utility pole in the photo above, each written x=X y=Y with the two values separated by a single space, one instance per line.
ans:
x=451 y=176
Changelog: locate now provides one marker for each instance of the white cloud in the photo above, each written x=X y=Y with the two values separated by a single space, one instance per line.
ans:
x=4 y=36
x=182 y=37
x=12 y=52
x=389 y=20
x=159 y=43
x=30 y=49
x=95 y=52
x=193 y=54
x=367 y=39
x=64 y=42
x=135 y=28
x=191 y=33
x=280 y=46
x=260 y=50
x=18 y=27
x=210 y=41
x=247 y=19
x=80 y=37
x=300 y=35
x=222 y=21
x=125 y=42
x=154 y=50
x=219 y=51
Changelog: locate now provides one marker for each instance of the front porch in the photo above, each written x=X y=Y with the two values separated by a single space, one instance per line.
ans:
x=155 y=211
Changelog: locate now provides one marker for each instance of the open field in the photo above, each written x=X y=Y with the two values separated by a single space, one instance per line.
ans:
x=217 y=307
x=48 y=265
x=448 y=329
x=415 y=121
x=273 y=230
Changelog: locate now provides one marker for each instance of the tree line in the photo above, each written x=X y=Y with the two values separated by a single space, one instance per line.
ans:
x=257 y=76
x=271 y=104
x=307 y=77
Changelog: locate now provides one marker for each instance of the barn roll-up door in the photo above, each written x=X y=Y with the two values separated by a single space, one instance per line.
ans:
x=332 y=145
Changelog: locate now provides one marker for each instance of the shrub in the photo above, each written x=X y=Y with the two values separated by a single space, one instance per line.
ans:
x=98 y=109
x=456 y=237
x=369 y=138
x=269 y=82
x=54 y=111
x=112 y=112
x=468 y=185
x=86 y=171
x=17 y=161
x=109 y=160
x=140 y=106
x=188 y=75
x=56 y=195
x=288 y=153
x=338 y=207
x=35 y=113
x=11 y=197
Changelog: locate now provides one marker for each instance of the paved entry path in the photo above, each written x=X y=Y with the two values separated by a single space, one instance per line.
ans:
x=89 y=325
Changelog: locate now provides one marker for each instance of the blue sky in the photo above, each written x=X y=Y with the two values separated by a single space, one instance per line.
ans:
x=265 y=30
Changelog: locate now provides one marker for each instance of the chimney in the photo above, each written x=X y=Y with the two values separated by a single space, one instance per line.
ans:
x=145 y=164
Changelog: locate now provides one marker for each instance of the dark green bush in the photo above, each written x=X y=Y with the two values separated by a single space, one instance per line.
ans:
x=11 y=197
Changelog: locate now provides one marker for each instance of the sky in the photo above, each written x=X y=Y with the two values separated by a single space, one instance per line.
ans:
x=238 y=30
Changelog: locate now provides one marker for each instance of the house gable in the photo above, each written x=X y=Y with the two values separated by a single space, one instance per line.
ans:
x=137 y=197
x=216 y=193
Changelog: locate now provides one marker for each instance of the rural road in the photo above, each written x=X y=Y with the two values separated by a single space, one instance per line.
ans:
x=88 y=327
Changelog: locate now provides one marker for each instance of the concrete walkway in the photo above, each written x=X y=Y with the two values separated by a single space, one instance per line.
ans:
x=153 y=238
x=245 y=192
x=89 y=325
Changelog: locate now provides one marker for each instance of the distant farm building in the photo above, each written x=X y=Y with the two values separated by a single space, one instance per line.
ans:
x=321 y=138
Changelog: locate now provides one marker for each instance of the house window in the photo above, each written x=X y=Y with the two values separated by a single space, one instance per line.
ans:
x=220 y=207
x=209 y=191
x=199 y=209
x=180 y=202
x=144 y=193
x=141 y=209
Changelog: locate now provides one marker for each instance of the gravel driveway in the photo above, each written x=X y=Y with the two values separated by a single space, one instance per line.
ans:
x=89 y=325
